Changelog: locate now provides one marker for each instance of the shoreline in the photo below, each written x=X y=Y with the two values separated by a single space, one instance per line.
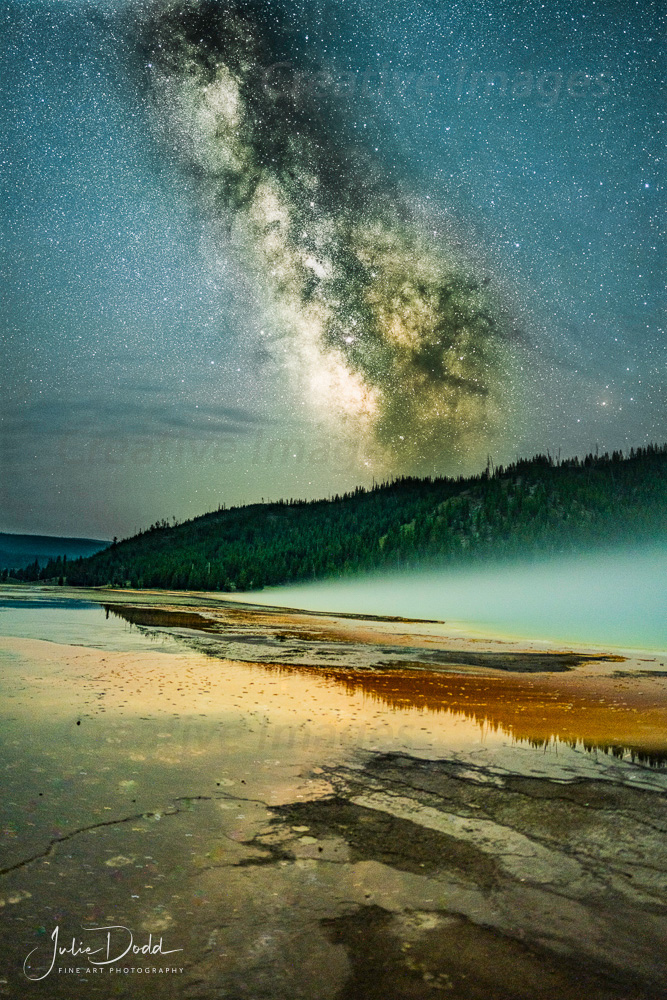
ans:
x=291 y=826
x=532 y=692
x=453 y=631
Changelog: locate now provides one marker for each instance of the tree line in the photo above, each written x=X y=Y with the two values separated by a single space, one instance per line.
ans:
x=533 y=507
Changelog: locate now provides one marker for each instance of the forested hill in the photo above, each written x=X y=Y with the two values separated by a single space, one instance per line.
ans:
x=534 y=507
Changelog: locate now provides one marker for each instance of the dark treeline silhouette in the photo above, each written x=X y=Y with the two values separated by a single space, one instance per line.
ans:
x=534 y=507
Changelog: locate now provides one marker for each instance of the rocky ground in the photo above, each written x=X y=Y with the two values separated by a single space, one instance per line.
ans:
x=311 y=832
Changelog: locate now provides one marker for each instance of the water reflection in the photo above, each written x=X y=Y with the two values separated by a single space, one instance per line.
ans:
x=72 y=622
x=523 y=709
x=160 y=617
x=538 y=710
x=527 y=710
x=270 y=638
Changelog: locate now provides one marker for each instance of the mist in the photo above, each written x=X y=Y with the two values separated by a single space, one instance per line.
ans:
x=611 y=598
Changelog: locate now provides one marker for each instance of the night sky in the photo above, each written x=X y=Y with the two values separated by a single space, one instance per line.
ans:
x=255 y=250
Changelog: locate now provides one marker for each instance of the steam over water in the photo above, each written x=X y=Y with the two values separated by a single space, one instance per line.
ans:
x=604 y=598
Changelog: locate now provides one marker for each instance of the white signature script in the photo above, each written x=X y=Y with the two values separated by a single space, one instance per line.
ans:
x=110 y=953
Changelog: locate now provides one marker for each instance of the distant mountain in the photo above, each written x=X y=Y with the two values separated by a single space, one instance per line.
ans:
x=19 y=551
x=535 y=507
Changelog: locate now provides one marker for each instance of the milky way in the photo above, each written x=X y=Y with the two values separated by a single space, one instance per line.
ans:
x=385 y=331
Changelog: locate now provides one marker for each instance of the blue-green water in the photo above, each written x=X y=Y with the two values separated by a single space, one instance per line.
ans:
x=612 y=598
x=29 y=613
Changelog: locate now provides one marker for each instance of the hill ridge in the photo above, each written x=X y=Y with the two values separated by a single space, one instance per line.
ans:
x=533 y=507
